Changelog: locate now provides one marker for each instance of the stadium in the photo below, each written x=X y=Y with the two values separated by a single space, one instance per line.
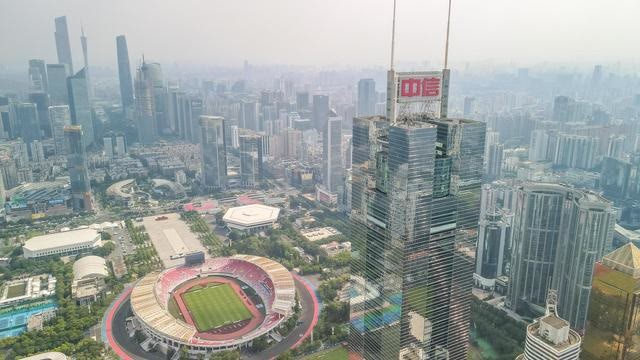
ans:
x=212 y=305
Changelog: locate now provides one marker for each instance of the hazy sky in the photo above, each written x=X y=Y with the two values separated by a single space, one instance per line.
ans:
x=325 y=32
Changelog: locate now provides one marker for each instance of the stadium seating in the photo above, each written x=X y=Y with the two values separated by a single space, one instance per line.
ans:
x=271 y=281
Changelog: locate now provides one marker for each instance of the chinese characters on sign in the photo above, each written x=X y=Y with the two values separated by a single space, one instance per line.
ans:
x=419 y=87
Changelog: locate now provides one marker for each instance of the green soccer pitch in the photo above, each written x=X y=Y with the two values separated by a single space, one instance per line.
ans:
x=215 y=305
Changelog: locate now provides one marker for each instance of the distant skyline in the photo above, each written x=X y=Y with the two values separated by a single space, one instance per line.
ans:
x=325 y=32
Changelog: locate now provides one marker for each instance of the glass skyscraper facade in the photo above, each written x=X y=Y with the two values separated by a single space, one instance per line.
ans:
x=558 y=234
x=613 y=322
x=250 y=160
x=213 y=152
x=63 y=47
x=416 y=188
x=124 y=73
x=80 y=105
x=77 y=166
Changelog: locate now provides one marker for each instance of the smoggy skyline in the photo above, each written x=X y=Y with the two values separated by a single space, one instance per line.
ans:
x=327 y=32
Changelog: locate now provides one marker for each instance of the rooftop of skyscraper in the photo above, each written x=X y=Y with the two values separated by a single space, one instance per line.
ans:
x=625 y=259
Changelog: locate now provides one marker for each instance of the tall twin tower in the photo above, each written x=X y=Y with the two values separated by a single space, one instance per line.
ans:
x=416 y=187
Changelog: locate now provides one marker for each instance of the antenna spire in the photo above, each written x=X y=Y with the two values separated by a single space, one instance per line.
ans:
x=393 y=33
x=446 y=46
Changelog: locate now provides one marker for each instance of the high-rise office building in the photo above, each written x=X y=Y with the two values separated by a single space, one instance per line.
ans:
x=124 y=73
x=37 y=76
x=302 y=101
x=145 y=105
x=576 y=151
x=250 y=114
x=320 y=111
x=251 y=153
x=558 y=234
x=60 y=116
x=469 y=109
x=494 y=161
x=173 y=114
x=493 y=250
x=333 y=169
x=107 y=146
x=415 y=210
x=620 y=179
x=613 y=321
x=550 y=336
x=538 y=146
x=80 y=105
x=156 y=78
x=63 y=47
x=121 y=146
x=41 y=100
x=563 y=109
x=85 y=58
x=77 y=166
x=367 y=98
x=213 y=153
x=26 y=115
x=57 y=84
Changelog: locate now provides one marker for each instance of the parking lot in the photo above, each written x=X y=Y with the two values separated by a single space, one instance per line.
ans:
x=122 y=240
x=171 y=237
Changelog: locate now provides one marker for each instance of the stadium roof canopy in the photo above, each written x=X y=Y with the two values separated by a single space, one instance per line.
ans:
x=60 y=239
x=251 y=215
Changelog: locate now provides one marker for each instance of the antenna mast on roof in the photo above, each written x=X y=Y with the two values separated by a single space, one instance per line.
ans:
x=391 y=74
x=393 y=34
x=444 y=101
x=446 y=46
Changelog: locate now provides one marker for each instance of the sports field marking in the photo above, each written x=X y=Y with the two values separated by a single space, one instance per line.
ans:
x=215 y=306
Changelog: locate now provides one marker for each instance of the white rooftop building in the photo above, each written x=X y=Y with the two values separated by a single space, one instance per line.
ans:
x=88 y=278
x=62 y=243
x=47 y=356
x=550 y=338
x=251 y=218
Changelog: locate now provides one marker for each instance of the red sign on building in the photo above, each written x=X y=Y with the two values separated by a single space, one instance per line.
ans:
x=416 y=87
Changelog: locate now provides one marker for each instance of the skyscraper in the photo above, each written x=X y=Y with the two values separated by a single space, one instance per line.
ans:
x=558 y=234
x=213 y=152
x=156 y=77
x=26 y=115
x=494 y=161
x=80 y=106
x=124 y=73
x=576 y=151
x=77 y=166
x=250 y=114
x=63 y=47
x=57 y=83
x=469 y=107
x=538 y=146
x=85 y=58
x=333 y=169
x=549 y=337
x=367 y=98
x=415 y=208
x=302 y=100
x=60 y=116
x=251 y=152
x=613 y=322
x=493 y=250
x=320 y=111
x=41 y=100
x=107 y=145
x=145 y=106
x=37 y=76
